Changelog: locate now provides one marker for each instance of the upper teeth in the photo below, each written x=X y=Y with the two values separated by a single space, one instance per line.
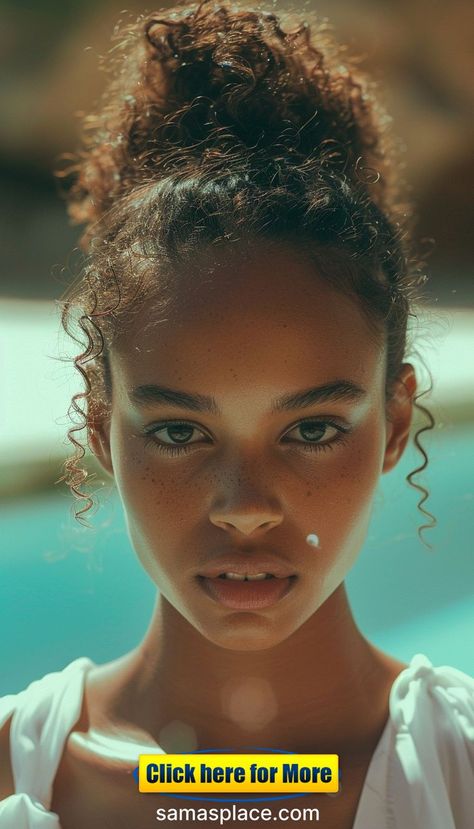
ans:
x=249 y=576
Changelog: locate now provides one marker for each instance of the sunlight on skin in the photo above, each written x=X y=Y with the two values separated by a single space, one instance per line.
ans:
x=123 y=747
x=119 y=749
x=252 y=704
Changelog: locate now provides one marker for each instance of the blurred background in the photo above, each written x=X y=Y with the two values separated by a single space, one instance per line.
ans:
x=68 y=592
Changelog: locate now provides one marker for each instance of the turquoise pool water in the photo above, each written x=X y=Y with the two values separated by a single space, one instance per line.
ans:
x=67 y=592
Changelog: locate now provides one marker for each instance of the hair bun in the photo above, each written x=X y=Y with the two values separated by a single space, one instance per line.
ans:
x=164 y=36
x=216 y=45
x=227 y=87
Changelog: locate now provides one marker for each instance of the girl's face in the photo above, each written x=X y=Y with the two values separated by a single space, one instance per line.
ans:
x=244 y=476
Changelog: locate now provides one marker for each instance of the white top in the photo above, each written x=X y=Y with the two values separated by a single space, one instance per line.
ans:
x=421 y=773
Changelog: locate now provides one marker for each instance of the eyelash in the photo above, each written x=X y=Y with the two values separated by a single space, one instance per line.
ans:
x=186 y=448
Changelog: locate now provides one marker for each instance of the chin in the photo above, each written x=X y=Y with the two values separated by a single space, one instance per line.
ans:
x=247 y=632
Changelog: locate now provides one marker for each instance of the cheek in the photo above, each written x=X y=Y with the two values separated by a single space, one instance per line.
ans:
x=346 y=488
x=157 y=502
x=146 y=482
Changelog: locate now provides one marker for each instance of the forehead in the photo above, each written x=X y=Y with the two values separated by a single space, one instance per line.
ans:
x=267 y=318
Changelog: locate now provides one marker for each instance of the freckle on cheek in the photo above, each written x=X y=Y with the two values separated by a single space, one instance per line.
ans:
x=147 y=474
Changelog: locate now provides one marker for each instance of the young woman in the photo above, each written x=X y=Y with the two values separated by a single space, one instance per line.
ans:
x=244 y=307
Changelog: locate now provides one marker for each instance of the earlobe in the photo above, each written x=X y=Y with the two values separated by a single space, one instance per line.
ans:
x=98 y=439
x=399 y=416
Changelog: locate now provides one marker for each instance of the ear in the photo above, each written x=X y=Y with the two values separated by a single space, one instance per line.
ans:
x=98 y=439
x=399 y=415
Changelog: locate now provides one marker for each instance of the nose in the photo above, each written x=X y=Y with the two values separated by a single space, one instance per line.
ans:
x=246 y=524
x=247 y=512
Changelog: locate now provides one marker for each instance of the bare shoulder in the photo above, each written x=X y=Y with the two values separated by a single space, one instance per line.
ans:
x=91 y=790
x=390 y=667
x=7 y=786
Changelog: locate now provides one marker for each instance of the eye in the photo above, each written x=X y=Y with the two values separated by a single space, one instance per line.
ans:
x=318 y=435
x=178 y=431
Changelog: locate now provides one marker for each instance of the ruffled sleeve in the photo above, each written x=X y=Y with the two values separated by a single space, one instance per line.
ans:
x=431 y=767
x=43 y=715
x=20 y=811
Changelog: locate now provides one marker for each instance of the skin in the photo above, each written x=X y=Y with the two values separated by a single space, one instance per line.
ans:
x=298 y=675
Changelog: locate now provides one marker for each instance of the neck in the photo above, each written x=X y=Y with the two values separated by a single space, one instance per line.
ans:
x=322 y=688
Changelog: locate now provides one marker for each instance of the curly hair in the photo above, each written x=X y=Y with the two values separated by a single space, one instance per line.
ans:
x=217 y=127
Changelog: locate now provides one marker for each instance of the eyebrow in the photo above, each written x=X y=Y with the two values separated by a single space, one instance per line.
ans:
x=151 y=394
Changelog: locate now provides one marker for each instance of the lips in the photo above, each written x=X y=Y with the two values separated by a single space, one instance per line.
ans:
x=248 y=564
x=246 y=595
